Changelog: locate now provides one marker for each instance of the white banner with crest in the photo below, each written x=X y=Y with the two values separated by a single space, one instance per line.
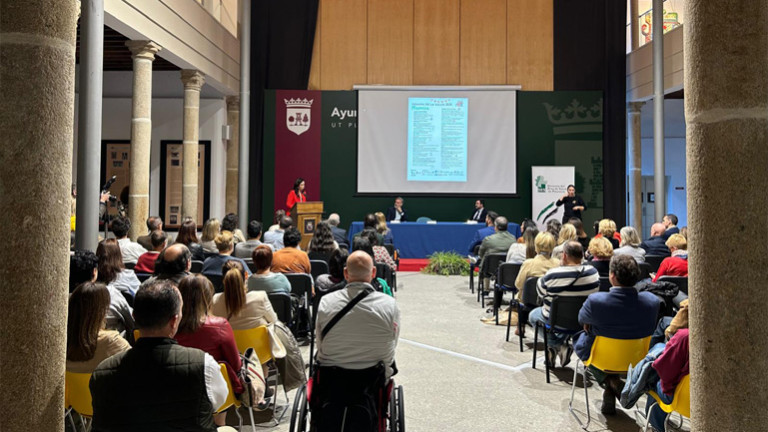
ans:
x=549 y=184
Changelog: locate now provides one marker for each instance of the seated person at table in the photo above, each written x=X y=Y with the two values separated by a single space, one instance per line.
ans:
x=571 y=279
x=225 y=243
x=677 y=264
x=146 y=262
x=157 y=372
x=383 y=229
x=656 y=244
x=369 y=222
x=245 y=249
x=275 y=238
x=482 y=233
x=621 y=313
x=397 y=212
x=480 y=211
x=537 y=266
x=264 y=279
x=601 y=251
x=322 y=243
x=340 y=235
x=291 y=259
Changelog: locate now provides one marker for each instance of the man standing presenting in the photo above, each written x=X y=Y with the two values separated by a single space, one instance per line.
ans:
x=367 y=334
x=480 y=211
x=396 y=213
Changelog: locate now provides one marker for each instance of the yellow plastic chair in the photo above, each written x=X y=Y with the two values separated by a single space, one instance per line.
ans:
x=232 y=400
x=259 y=339
x=136 y=334
x=77 y=396
x=612 y=356
x=681 y=401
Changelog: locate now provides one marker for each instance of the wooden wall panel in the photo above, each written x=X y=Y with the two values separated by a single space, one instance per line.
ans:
x=343 y=44
x=314 y=68
x=436 y=42
x=483 y=56
x=530 y=51
x=390 y=42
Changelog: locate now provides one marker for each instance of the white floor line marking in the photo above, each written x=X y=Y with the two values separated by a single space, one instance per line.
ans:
x=471 y=358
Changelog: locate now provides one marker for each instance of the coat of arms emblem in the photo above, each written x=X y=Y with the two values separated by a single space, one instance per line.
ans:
x=298 y=115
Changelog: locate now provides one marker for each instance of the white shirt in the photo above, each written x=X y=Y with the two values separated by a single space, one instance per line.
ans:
x=363 y=337
x=398 y=215
x=131 y=251
x=215 y=385
x=127 y=281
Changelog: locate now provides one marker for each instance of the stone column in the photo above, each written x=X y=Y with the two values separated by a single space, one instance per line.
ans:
x=37 y=94
x=726 y=112
x=233 y=152
x=143 y=53
x=635 y=160
x=193 y=82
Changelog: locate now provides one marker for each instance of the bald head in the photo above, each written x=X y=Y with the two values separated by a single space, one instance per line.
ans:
x=174 y=259
x=359 y=268
x=657 y=229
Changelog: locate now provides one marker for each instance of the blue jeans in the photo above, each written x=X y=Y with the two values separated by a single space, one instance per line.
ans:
x=554 y=339
x=657 y=415
x=658 y=334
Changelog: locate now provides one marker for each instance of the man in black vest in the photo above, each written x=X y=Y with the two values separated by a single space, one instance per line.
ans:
x=157 y=385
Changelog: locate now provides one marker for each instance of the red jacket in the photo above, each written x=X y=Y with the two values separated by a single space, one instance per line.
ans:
x=216 y=338
x=672 y=266
x=293 y=199
x=146 y=262
x=673 y=364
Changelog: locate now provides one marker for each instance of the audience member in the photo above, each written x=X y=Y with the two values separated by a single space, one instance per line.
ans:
x=677 y=263
x=553 y=227
x=607 y=228
x=383 y=229
x=88 y=342
x=279 y=215
x=537 y=266
x=264 y=279
x=369 y=222
x=583 y=238
x=334 y=280
x=242 y=308
x=671 y=367
x=656 y=244
x=146 y=262
x=366 y=336
x=482 y=233
x=567 y=233
x=630 y=244
x=275 y=238
x=601 y=251
x=397 y=212
x=225 y=244
x=211 y=229
x=154 y=223
x=363 y=244
x=670 y=225
x=188 y=237
x=131 y=251
x=291 y=259
x=340 y=235
x=157 y=372
x=380 y=253
x=525 y=247
x=245 y=249
x=83 y=267
x=119 y=280
x=621 y=313
x=229 y=223
x=684 y=232
x=571 y=279
x=498 y=242
x=322 y=244
x=172 y=264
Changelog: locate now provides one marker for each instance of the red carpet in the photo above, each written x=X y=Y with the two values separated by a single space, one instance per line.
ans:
x=412 y=264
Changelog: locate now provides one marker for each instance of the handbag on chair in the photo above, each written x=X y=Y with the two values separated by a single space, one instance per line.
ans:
x=252 y=376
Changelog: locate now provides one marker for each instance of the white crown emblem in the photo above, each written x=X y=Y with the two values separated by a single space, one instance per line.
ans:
x=298 y=103
x=298 y=114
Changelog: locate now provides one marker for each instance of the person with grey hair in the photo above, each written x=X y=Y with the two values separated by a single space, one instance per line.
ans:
x=154 y=223
x=630 y=244
x=366 y=336
x=339 y=234
x=397 y=212
x=498 y=242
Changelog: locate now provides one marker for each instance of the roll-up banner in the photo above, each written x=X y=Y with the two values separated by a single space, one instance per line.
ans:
x=549 y=184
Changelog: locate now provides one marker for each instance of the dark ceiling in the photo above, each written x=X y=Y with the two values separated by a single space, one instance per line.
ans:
x=117 y=57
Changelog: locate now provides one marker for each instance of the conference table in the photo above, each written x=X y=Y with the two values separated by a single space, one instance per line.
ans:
x=419 y=240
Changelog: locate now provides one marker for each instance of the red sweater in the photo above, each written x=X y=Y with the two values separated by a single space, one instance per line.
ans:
x=146 y=262
x=672 y=266
x=216 y=338
x=673 y=364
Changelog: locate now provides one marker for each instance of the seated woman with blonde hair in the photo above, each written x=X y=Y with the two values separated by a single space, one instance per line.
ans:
x=607 y=228
x=567 y=233
x=677 y=264
x=383 y=229
x=602 y=251
x=536 y=266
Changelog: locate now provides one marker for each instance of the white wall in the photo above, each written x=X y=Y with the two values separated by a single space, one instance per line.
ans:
x=167 y=125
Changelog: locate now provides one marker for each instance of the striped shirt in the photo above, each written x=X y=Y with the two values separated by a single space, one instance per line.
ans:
x=572 y=281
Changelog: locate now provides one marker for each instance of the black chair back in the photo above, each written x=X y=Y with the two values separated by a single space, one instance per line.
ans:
x=129 y=266
x=301 y=284
x=391 y=249
x=564 y=313
x=605 y=284
x=385 y=272
x=654 y=261
x=216 y=280
x=506 y=275
x=143 y=276
x=319 y=267
x=680 y=281
x=491 y=263
x=530 y=295
x=645 y=270
x=281 y=303
x=197 y=267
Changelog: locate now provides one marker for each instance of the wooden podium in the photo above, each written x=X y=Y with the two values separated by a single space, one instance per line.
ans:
x=306 y=216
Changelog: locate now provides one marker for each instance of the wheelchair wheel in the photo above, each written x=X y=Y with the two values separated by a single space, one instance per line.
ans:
x=400 y=410
x=300 y=413
x=396 y=413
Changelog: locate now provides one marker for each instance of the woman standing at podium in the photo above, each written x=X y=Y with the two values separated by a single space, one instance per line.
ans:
x=296 y=195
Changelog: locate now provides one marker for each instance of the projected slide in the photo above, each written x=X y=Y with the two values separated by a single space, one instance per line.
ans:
x=437 y=139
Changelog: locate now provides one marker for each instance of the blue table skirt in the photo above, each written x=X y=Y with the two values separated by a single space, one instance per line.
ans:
x=419 y=240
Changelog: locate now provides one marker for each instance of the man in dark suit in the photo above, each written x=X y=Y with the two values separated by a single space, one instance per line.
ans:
x=621 y=313
x=480 y=211
x=482 y=233
x=154 y=223
x=656 y=245
x=670 y=226
x=340 y=235
x=396 y=212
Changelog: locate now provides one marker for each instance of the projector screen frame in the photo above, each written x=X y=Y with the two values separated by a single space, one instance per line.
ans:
x=368 y=87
